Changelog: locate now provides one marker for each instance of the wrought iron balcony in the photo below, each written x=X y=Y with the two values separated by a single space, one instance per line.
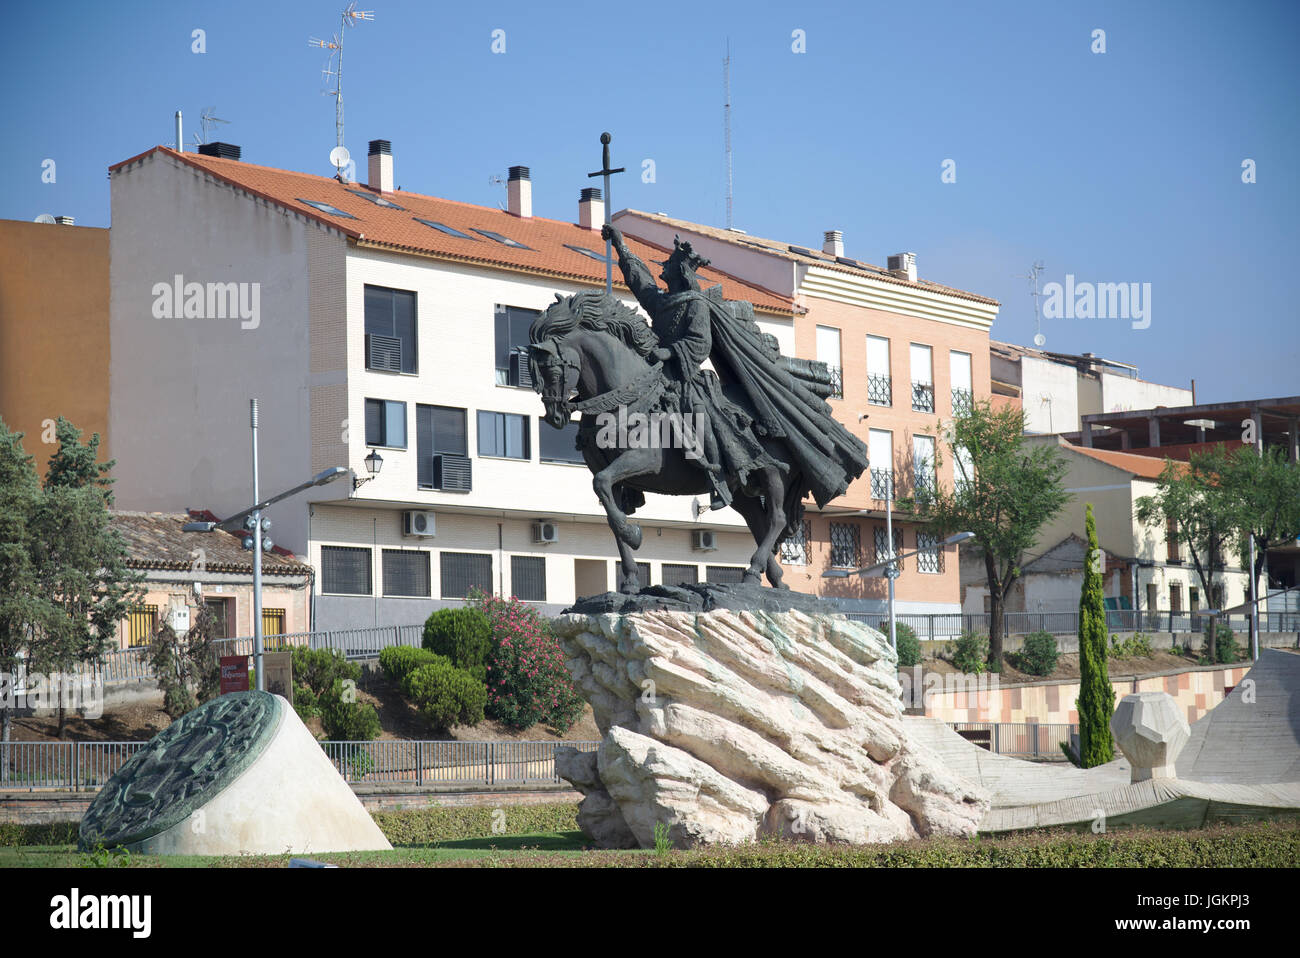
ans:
x=963 y=402
x=923 y=397
x=882 y=482
x=837 y=381
x=880 y=390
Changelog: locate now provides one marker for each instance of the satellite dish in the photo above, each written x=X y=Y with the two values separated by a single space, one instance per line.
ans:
x=340 y=157
x=1039 y=339
x=44 y=218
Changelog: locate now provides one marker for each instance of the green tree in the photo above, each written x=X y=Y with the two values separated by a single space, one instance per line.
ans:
x=1005 y=489
x=76 y=464
x=1096 y=701
x=1205 y=513
x=186 y=666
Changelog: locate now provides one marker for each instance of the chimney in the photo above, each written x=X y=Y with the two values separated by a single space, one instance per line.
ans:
x=903 y=265
x=381 y=166
x=591 y=209
x=180 y=139
x=833 y=243
x=519 y=192
x=226 y=151
x=65 y=220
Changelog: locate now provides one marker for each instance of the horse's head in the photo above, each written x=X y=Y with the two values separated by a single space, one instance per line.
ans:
x=556 y=369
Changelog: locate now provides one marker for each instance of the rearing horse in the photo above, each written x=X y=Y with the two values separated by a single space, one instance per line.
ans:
x=589 y=353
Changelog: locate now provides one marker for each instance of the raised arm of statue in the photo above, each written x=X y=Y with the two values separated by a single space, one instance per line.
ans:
x=636 y=274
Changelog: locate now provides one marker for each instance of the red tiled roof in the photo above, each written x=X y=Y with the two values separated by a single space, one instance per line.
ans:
x=399 y=229
x=1147 y=467
x=156 y=540
x=811 y=257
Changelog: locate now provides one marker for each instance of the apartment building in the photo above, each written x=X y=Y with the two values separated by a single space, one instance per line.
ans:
x=382 y=331
x=907 y=355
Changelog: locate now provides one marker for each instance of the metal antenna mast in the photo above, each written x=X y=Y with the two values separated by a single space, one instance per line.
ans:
x=351 y=15
x=206 y=119
x=726 y=122
x=1032 y=276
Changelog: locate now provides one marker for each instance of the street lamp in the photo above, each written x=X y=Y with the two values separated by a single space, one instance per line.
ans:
x=374 y=462
x=889 y=569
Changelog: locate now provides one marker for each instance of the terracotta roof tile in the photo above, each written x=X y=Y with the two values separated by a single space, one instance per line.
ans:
x=154 y=540
x=1147 y=467
x=546 y=244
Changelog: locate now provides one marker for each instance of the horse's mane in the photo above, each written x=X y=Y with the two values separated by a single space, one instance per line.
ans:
x=595 y=310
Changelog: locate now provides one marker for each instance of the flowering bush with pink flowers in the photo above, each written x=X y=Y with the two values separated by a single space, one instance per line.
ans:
x=527 y=682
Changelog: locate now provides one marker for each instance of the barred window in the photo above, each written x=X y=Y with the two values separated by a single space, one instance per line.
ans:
x=528 y=578
x=406 y=573
x=345 y=570
x=930 y=558
x=794 y=550
x=724 y=574
x=845 y=545
x=881 y=539
x=461 y=571
x=680 y=574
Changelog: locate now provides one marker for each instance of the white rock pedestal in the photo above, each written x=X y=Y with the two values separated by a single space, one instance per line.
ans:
x=1150 y=729
x=240 y=775
x=726 y=726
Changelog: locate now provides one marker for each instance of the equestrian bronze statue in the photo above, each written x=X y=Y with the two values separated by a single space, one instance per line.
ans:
x=754 y=432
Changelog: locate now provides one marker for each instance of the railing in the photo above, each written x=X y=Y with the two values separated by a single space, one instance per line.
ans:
x=1027 y=740
x=837 y=381
x=922 y=397
x=353 y=643
x=881 y=481
x=950 y=626
x=963 y=402
x=86 y=766
x=880 y=390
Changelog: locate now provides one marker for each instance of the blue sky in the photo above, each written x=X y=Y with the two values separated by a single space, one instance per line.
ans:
x=1123 y=166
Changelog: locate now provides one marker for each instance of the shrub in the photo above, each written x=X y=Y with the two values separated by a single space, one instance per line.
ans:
x=446 y=695
x=324 y=684
x=1038 y=655
x=305 y=702
x=527 y=681
x=970 y=653
x=462 y=635
x=346 y=720
x=909 y=646
x=398 y=661
x=319 y=669
x=1226 y=650
x=1137 y=644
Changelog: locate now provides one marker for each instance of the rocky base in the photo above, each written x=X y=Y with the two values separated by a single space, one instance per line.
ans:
x=729 y=725
x=699 y=597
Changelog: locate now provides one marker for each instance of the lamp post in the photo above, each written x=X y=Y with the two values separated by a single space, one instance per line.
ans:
x=890 y=569
x=374 y=463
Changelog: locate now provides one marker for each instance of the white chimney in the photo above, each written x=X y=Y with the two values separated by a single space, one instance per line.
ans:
x=381 y=166
x=180 y=140
x=903 y=265
x=591 y=209
x=519 y=192
x=833 y=243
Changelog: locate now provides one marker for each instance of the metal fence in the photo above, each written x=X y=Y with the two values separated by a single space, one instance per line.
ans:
x=353 y=643
x=86 y=766
x=1028 y=740
x=948 y=627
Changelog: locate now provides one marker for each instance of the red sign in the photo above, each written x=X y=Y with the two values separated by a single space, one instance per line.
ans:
x=234 y=673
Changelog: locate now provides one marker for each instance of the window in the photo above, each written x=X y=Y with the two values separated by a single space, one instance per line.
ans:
x=512 y=326
x=558 y=445
x=923 y=464
x=880 y=449
x=462 y=571
x=930 y=558
x=1175 y=598
x=345 y=570
x=219 y=610
x=440 y=431
x=503 y=434
x=922 y=379
x=390 y=330
x=376 y=199
x=1172 y=553
x=528 y=578
x=724 y=574
x=680 y=574
x=963 y=393
x=880 y=383
x=326 y=208
x=272 y=622
x=1152 y=601
x=1193 y=598
x=386 y=423
x=503 y=240
x=406 y=573
x=443 y=228
x=845 y=545
x=141 y=624
x=881 y=542
x=828 y=352
x=963 y=473
x=794 y=550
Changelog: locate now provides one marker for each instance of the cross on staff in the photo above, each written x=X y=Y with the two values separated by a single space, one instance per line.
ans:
x=606 y=172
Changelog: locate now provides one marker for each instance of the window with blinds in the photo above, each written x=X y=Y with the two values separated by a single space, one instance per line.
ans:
x=558 y=445
x=528 y=578
x=680 y=574
x=390 y=329
x=345 y=570
x=724 y=574
x=406 y=573
x=461 y=571
x=439 y=431
x=503 y=434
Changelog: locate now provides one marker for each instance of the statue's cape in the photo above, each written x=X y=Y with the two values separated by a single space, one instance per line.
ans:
x=783 y=407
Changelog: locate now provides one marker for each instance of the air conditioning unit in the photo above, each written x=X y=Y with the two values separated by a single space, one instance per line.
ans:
x=546 y=532
x=418 y=523
x=704 y=540
x=452 y=473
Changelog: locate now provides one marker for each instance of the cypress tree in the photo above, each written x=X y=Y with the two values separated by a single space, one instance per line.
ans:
x=1096 y=700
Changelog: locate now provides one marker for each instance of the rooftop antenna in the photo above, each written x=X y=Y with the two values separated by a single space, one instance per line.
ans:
x=350 y=17
x=1039 y=339
x=726 y=124
x=496 y=179
x=206 y=119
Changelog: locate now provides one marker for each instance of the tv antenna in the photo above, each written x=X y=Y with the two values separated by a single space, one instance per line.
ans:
x=206 y=119
x=726 y=126
x=334 y=68
x=1039 y=339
